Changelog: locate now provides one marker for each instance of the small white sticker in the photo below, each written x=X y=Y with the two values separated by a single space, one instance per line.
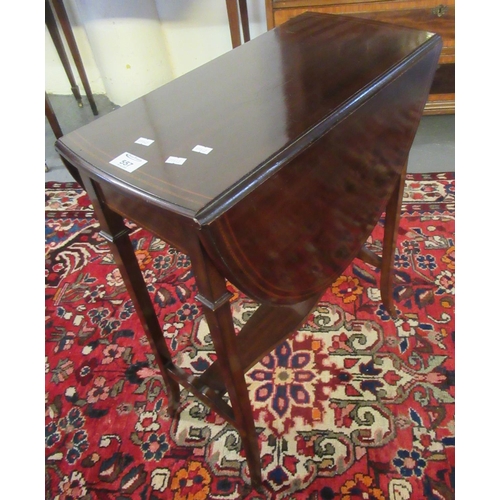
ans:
x=144 y=142
x=175 y=160
x=202 y=149
x=128 y=162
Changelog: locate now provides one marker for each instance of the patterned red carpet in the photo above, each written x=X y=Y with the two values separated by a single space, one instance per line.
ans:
x=353 y=406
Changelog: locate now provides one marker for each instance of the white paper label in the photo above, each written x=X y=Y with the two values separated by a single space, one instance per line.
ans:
x=175 y=160
x=128 y=162
x=202 y=149
x=144 y=142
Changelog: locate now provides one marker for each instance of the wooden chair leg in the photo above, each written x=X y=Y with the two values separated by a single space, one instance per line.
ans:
x=245 y=26
x=392 y=218
x=214 y=296
x=236 y=11
x=234 y=22
x=115 y=232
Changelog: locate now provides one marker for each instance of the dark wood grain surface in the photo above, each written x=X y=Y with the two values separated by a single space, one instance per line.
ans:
x=290 y=238
x=253 y=106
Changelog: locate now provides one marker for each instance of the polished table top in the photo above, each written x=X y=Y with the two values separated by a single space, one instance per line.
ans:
x=255 y=107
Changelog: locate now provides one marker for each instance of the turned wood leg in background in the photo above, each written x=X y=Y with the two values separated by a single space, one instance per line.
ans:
x=50 y=22
x=62 y=16
x=115 y=232
x=214 y=296
x=392 y=218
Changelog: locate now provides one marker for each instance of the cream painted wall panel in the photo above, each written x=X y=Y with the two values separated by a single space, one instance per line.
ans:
x=130 y=47
x=196 y=32
x=56 y=81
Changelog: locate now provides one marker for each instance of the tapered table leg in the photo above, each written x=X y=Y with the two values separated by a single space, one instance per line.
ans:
x=215 y=299
x=115 y=232
x=392 y=218
x=52 y=119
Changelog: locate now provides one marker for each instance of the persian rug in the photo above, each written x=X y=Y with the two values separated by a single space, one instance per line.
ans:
x=354 y=405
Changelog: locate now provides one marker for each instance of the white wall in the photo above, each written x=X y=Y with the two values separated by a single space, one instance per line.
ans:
x=130 y=47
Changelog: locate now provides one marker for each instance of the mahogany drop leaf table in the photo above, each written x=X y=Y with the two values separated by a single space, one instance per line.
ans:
x=269 y=166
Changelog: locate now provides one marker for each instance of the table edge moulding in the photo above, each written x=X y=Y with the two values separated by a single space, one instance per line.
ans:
x=269 y=167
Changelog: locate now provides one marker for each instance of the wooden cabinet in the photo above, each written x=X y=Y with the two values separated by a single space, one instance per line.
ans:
x=436 y=16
